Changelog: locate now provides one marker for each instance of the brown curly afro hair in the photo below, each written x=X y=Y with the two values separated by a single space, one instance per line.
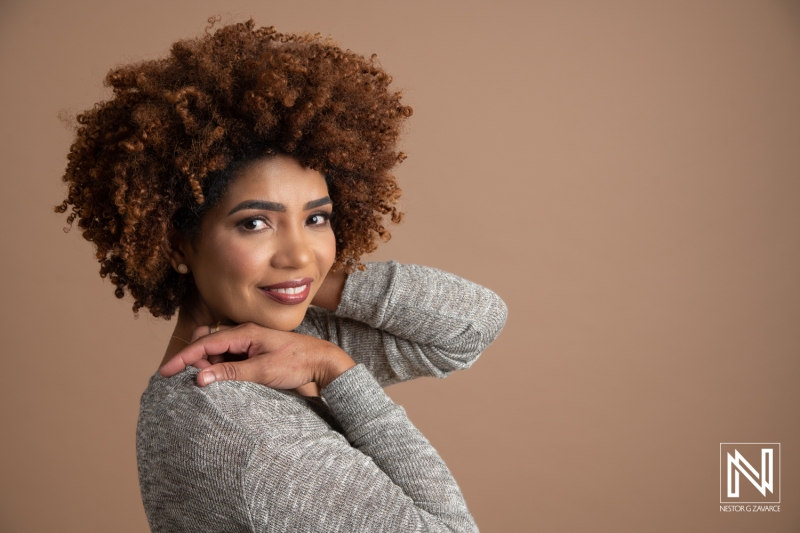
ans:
x=160 y=152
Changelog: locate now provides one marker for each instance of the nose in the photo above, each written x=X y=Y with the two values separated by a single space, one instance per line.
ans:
x=293 y=249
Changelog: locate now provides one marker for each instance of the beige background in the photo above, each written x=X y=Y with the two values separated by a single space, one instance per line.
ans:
x=623 y=173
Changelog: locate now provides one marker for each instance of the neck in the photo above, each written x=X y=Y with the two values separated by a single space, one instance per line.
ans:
x=192 y=315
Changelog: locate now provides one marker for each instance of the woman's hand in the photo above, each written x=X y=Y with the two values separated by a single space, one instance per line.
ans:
x=277 y=359
x=330 y=292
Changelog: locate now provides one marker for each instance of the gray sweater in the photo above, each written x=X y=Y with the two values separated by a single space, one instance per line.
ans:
x=238 y=456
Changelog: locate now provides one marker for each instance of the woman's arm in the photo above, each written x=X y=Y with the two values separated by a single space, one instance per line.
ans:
x=391 y=479
x=297 y=474
x=405 y=321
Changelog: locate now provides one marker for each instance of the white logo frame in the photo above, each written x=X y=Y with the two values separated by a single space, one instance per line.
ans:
x=725 y=481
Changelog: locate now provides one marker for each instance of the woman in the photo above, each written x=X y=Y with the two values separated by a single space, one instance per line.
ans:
x=238 y=182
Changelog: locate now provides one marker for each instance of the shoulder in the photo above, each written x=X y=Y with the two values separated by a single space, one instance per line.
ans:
x=179 y=406
x=194 y=445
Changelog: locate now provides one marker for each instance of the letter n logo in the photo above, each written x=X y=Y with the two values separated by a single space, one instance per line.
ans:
x=749 y=472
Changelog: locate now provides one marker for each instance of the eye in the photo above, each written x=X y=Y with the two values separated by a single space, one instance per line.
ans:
x=319 y=219
x=254 y=224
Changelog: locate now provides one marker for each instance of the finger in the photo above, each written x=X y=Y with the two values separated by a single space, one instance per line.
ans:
x=246 y=370
x=233 y=340
x=202 y=363
x=216 y=359
x=257 y=370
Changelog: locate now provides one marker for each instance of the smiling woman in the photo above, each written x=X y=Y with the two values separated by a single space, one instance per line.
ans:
x=271 y=231
x=238 y=182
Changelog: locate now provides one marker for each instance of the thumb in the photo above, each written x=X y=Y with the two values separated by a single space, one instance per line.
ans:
x=245 y=370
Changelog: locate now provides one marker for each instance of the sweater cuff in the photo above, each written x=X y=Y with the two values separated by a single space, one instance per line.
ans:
x=367 y=294
x=355 y=398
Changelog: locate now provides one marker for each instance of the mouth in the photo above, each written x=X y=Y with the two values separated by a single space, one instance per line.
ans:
x=288 y=292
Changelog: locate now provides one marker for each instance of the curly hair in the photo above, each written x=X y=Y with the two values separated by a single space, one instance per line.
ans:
x=160 y=152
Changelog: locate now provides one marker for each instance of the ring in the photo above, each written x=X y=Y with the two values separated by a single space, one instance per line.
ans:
x=214 y=328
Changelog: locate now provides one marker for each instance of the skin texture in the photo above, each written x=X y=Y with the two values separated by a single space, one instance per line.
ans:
x=238 y=253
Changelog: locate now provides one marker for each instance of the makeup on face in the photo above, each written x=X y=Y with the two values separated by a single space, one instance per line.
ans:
x=289 y=292
x=266 y=248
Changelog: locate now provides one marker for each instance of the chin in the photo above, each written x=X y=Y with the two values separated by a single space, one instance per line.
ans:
x=284 y=322
x=287 y=326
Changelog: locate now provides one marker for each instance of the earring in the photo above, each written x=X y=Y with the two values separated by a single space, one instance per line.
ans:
x=183 y=269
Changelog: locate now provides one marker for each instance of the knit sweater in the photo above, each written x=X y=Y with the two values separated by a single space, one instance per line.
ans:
x=239 y=456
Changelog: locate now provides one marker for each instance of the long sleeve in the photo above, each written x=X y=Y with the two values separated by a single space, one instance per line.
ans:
x=388 y=478
x=236 y=456
x=405 y=321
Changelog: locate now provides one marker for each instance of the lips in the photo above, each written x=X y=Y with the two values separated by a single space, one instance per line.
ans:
x=289 y=292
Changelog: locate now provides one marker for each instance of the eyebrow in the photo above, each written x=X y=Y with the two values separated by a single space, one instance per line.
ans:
x=266 y=205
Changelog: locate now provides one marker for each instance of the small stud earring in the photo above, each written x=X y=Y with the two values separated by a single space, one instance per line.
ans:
x=183 y=269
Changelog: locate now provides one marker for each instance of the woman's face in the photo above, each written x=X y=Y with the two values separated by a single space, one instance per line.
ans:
x=265 y=249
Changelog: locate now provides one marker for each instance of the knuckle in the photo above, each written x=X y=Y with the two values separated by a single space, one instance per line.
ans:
x=228 y=371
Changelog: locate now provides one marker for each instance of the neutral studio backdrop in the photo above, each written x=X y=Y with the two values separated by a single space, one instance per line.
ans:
x=625 y=174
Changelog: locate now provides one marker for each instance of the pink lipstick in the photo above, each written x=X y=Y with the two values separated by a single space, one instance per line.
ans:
x=289 y=292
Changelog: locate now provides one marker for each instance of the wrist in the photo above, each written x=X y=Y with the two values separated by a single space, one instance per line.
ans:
x=334 y=363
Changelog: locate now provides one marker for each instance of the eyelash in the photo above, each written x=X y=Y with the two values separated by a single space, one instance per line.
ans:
x=323 y=214
x=246 y=221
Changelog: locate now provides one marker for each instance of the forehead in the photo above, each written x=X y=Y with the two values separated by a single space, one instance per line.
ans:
x=276 y=178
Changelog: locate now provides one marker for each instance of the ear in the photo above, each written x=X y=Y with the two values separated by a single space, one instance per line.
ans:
x=173 y=250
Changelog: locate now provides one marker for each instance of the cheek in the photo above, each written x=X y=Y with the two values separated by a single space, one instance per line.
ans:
x=231 y=262
x=243 y=260
x=327 y=252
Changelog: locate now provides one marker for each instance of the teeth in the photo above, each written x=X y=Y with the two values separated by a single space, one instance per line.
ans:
x=290 y=290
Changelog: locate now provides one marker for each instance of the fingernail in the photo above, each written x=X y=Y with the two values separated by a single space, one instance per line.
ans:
x=208 y=378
